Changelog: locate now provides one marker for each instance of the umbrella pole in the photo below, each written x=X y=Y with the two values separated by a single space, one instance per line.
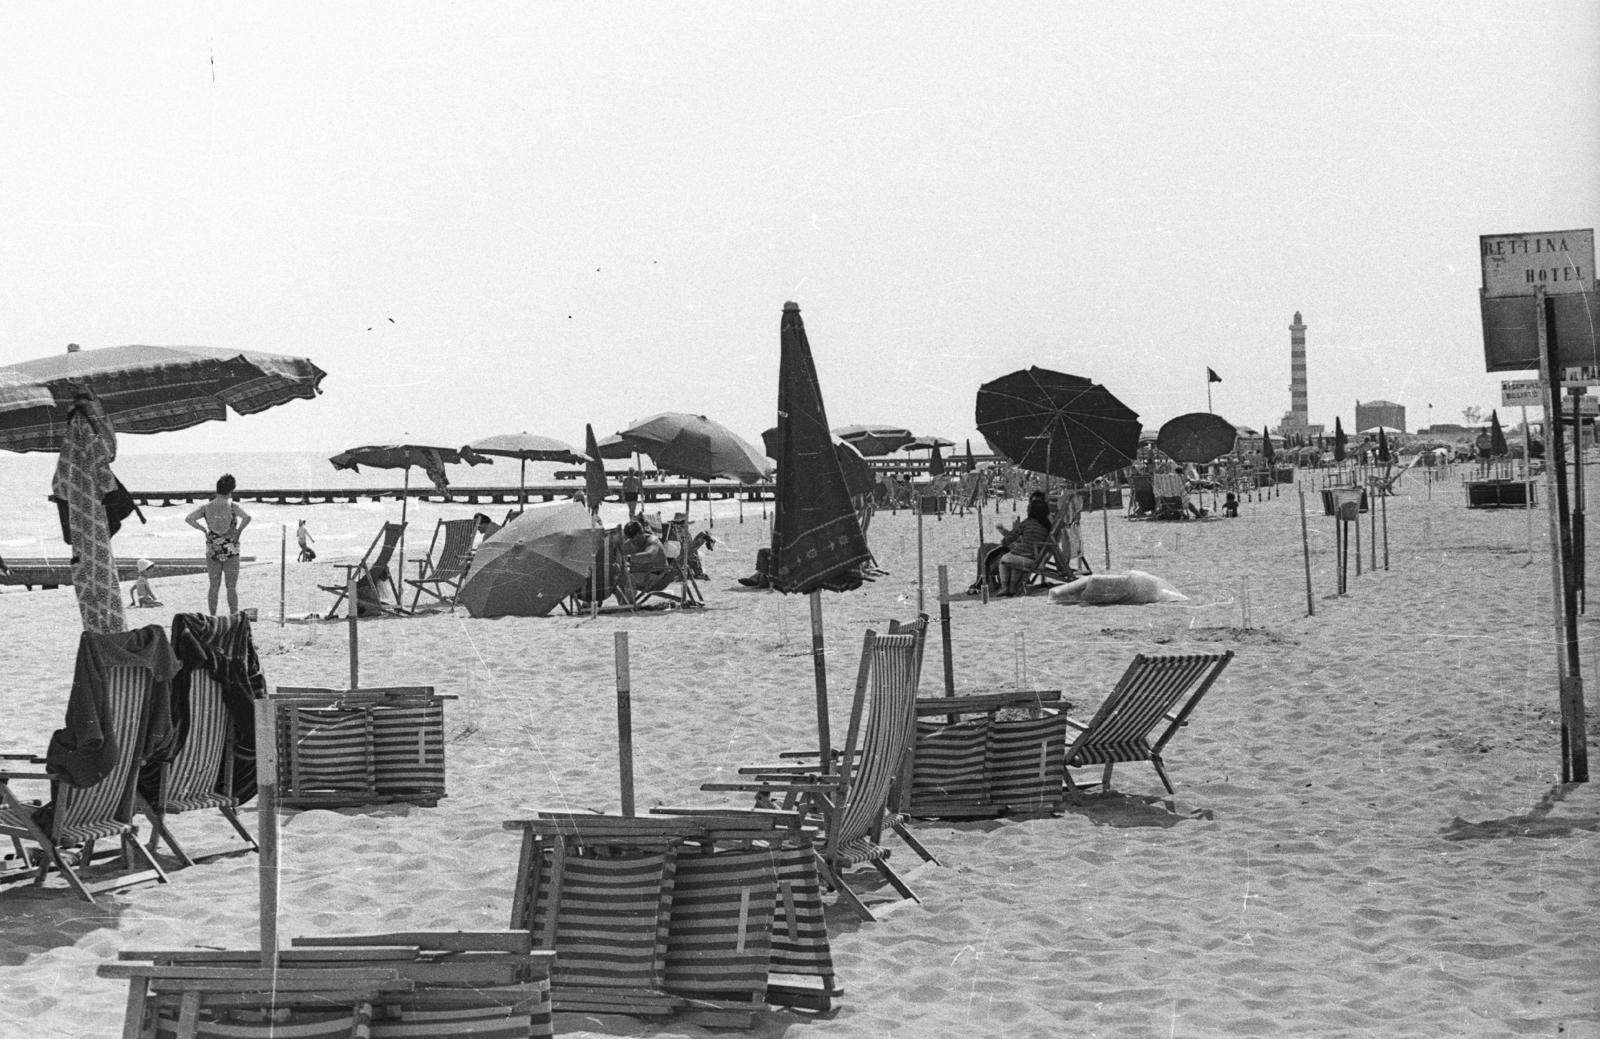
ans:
x=594 y=592
x=921 y=606
x=283 y=575
x=522 y=486
x=624 y=723
x=683 y=543
x=267 y=831
x=820 y=671
x=353 y=606
x=1527 y=481
x=405 y=499
x=1305 y=548
x=1105 y=520
x=983 y=578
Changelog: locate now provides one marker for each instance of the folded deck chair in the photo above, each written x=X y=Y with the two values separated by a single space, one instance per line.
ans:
x=80 y=816
x=849 y=802
x=485 y=984
x=1154 y=689
x=201 y=774
x=442 y=570
x=373 y=569
x=969 y=762
x=339 y=748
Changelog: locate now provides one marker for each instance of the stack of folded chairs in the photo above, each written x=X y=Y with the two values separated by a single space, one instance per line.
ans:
x=987 y=755
x=709 y=917
x=426 y=985
x=349 y=748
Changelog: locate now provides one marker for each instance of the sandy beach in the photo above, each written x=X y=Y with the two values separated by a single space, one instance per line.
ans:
x=1368 y=836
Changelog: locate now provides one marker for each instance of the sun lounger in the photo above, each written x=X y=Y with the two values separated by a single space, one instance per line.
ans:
x=1154 y=689
x=80 y=816
x=440 y=573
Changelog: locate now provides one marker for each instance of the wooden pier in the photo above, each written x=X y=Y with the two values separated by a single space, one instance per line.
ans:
x=36 y=572
x=649 y=493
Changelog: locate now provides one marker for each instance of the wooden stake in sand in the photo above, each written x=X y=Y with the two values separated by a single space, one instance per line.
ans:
x=921 y=606
x=1305 y=547
x=944 y=630
x=1105 y=521
x=267 y=830
x=283 y=577
x=355 y=611
x=1372 y=522
x=1527 y=480
x=819 y=667
x=624 y=723
x=983 y=579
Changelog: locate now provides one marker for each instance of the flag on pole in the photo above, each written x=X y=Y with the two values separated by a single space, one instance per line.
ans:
x=1212 y=377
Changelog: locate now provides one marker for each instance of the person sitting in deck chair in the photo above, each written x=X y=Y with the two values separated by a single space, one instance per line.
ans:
x=1024 y=543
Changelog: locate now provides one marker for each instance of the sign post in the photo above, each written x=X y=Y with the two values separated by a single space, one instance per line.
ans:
x=1554 y=272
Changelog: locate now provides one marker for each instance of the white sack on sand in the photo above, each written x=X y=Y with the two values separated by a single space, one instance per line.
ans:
x=1133 y=588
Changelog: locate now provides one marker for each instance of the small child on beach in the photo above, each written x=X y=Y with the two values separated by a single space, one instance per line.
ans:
x=142 y=593
x=303 y=535
x=1230 y=506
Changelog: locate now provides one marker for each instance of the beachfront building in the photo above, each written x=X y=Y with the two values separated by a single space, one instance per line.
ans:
x=1380 y=413
x=1297 y=420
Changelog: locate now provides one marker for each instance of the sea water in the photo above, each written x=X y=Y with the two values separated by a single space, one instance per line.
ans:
x=29 y=527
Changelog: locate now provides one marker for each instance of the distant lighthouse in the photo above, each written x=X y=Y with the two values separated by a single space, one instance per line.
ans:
x=1298 y=418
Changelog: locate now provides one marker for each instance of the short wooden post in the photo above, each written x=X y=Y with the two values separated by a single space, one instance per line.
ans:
x=944 y=630
x=267 y=826
x=283 y=577
x=1384 y=500
x=354 y=604
x=624 y=722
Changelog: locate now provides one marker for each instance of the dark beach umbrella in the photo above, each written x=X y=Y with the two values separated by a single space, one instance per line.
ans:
x=858 y=475
x=936 y=462
x=1338 y=440
x=927 y=443
x=145 y=389
x=1198 y=437
x=526 y=447
x=615 y=448
x=971 y=464
x=527 y=567
x=594 y=471
x=874 y=441
x=1497 y=436
x=816 y=537
x=1266 y=447
x=1059 y=424
x=695 y=447
x=1383 y=447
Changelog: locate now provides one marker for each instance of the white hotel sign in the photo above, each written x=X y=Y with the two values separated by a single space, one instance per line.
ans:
x=1560 y=262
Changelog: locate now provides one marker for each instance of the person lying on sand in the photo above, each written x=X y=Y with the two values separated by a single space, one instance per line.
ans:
x=1132 y=588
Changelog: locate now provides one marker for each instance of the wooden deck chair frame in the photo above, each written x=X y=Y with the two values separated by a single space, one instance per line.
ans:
x=84 y=815
x=387 y=540
x=1052 y=566
x=200 y=775
x=440 y=576
x=1155 y=688
x=850 y=820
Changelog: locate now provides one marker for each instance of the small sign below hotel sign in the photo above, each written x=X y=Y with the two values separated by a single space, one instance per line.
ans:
x=1560 y=262
x=1521 y=392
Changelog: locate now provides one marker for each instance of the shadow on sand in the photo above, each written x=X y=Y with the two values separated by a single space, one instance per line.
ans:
x=1535 y=822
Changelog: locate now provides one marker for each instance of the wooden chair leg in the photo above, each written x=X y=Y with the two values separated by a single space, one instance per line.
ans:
x=233 y=817
x=894 y=880
x=1105 y=779
x=846 y=895
x=912 y=843
x=1155 y=759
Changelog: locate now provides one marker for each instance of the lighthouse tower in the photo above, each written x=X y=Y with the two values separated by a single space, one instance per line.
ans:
x=1298 y=418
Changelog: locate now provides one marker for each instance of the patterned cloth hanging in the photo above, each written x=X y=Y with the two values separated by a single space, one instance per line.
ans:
x=83 y=478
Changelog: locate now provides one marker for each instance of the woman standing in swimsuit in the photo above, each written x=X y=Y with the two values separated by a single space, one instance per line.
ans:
x=222 y=521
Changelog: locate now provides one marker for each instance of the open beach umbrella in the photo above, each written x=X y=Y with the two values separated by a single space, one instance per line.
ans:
x=695 y=447
x=927 y=443
x=1338 y=440
x=1058 y=424
x=615 y=448
x=403 y=456
x=1198 y=437
x=145 y=389
x=875 y=440
x=528 y=566
x=1497 y=436
x=525 y=447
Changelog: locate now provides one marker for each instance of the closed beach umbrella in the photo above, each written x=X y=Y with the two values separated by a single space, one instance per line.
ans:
x=1383 y=446
x=526 y=447
x=527 y=567
x=1266 y=447
x=145 y=389
x=936 y=463
x=594 y=472
x=1198 y=437
x=82 y=478
x=1497 y=436
x=858 y=475
x=1059 y=424
x=695 y=447
x=874 y=441
x=1338 y=440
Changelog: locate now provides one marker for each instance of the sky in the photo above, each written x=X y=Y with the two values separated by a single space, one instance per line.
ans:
x=486 y=218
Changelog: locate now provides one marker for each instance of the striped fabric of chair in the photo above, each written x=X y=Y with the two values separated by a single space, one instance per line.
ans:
x=408 y=748
x=1024 y=761
x=883 y=741
x=601 y=916
x=98 y=811
x=331 y=753
x=719 y=937
x=948 y=768
x=799 y=931
x=1147 y=694
x=299 y=1025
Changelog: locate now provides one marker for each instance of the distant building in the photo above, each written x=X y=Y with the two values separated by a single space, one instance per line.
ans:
x=1380 y=413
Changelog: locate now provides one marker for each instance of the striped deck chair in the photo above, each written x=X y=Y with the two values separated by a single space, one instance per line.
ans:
x=200 y=776
x=339 y=748
x=1171 y=497
x=1153 y=689
x=850 y=804
x=440 y=575
x=373 y=569
x=82 y=816
x=719 y=928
